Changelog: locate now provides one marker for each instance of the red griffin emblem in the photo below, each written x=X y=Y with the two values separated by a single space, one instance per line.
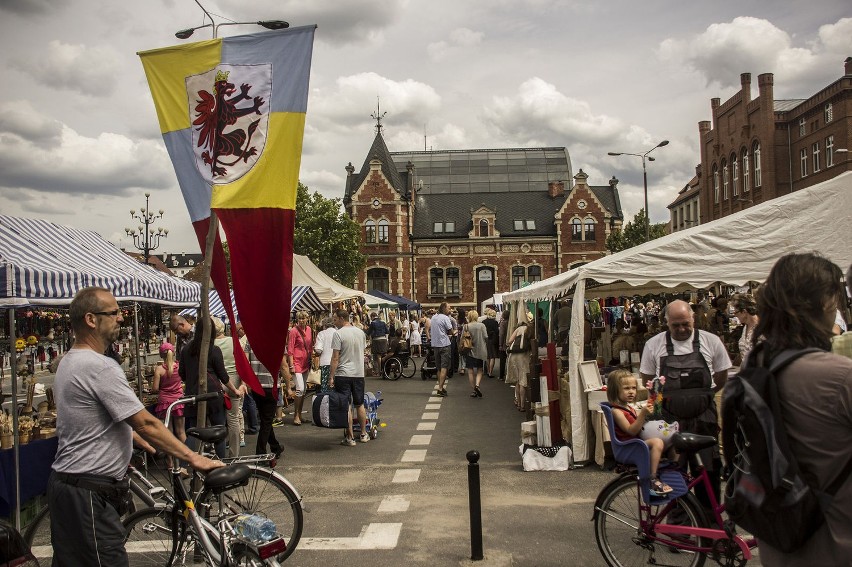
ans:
x=214 y=113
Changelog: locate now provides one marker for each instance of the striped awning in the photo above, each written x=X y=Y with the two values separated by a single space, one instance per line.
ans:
x=42 y=263
x=303 y=298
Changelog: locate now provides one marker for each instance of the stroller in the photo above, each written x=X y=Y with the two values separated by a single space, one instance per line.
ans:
x=429 y=367
x=371 y=406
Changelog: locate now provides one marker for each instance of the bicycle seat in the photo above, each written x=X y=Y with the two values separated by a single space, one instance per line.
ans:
x=691 y=443
x=225 y=478
x=208 y=434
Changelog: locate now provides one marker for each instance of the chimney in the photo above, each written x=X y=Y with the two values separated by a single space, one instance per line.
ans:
x=350 y=169
x=613 y=182
x=555 y=188
x=764 y=87
x=745 y=82
x=714 y=104
x=581 y=178
x=847 y=67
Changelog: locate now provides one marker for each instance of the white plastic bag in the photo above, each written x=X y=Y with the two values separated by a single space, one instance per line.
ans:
x=659 y=429
x=535 y=461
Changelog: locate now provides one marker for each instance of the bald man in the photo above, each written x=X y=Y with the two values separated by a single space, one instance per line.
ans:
x=695 y=364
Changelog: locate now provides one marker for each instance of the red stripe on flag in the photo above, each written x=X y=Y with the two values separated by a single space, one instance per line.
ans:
x=219 y=275
x=261 y=246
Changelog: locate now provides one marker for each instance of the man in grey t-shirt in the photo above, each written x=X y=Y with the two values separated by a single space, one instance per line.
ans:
x=97 y=418
x=347 y=370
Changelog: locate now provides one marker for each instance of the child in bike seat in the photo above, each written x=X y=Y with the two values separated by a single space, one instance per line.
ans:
x=621 y=387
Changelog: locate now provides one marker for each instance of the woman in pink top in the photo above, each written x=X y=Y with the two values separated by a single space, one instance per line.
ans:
x=300 y=345
x=169 y=388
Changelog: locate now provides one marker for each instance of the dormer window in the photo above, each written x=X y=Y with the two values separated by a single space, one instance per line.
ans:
x=483 y=227
x=440 y=227
x=521 y=225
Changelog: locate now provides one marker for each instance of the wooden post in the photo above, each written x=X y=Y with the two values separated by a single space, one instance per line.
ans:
x=204 y=316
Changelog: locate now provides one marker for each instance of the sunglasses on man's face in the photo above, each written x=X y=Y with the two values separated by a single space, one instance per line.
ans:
x=113 y=313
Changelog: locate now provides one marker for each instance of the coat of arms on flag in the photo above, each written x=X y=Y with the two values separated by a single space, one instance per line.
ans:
x=232 y=114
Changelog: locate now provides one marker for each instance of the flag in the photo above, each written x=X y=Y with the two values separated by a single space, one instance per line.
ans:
x=232 y=114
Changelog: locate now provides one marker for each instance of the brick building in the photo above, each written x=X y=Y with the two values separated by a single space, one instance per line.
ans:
x=685 y=210
x=756 y=150
x=460 y=225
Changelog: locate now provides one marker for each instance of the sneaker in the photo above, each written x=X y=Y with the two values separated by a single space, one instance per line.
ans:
x=364 y=438
x=441 y=393
x=277 y=422
x=242 y=443
x=347 y=442
x=444 y=392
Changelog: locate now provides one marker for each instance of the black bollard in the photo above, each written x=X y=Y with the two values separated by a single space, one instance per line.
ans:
x=475 y=505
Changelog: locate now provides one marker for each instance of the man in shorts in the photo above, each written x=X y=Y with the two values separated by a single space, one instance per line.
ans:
x=442 y=329
x=346 y=374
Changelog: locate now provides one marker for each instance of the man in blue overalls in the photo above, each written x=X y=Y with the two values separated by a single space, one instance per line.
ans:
x=695 y=364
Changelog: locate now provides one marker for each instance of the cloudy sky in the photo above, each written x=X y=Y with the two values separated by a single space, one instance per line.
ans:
x=79 y=142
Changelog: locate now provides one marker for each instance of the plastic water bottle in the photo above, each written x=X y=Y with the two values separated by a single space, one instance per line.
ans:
x=255 y=528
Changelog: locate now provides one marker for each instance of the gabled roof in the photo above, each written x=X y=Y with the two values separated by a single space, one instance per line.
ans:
x=689 y=191
x=785 y=105
x=378 y=150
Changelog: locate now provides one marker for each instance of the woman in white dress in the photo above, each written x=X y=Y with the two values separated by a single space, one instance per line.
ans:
x=414 y=340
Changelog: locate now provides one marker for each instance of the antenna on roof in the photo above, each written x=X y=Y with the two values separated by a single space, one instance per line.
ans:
x=377 y=116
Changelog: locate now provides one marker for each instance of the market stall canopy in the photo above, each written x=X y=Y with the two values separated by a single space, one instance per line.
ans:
x=306 y=273
x=303 y=299
x=379 y=302
x=404 y=303
x=42 y=263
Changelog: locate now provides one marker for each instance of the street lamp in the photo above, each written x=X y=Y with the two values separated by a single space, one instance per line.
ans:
x=145 y=239
x=645 y=180
x=268 y=24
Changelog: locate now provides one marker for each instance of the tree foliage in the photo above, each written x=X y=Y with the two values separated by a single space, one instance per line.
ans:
x=633 y=233
x=326 y=235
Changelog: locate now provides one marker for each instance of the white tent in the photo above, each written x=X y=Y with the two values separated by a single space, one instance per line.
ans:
x=306 y=273
x=733 y=250
x=379 y=302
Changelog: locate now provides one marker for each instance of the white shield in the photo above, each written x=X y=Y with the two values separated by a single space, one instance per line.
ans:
x=229 y=127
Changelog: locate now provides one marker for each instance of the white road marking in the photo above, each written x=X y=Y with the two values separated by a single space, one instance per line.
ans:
x=433 y=406
x=373 y=536
x=394 y=503
x=420 y=440
x=429 y=415
x=406 y=475
x=414 y=456
x=433 y=399
x=426 y=426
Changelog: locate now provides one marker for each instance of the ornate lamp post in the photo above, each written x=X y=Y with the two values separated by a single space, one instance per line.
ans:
x=645 y=179
x=268 y=24
x=145 y=239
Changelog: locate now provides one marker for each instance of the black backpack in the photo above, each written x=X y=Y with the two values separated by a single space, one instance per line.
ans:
x=767 y=494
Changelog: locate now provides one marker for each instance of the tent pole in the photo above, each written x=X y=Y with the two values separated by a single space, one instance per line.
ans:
x=204 y=316
x=13 y=367
x=138 y=349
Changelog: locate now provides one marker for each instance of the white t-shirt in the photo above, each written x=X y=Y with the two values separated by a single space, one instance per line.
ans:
x=323 y=345
x=351 y=342
x=712 y=349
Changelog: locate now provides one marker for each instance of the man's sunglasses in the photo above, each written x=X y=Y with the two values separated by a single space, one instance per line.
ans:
x=113 y=313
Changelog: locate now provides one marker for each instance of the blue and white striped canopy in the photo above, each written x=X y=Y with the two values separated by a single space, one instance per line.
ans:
x=42 y=263
x=303 y=298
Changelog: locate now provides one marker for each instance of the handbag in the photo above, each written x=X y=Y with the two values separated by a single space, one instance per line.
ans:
x=519 y=344
x=466 y=345
x=314 y=376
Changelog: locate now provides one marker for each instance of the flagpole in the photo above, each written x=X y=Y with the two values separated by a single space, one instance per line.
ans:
x=204 y=316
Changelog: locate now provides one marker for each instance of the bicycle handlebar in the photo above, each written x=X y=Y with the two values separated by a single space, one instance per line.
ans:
x=191 y=400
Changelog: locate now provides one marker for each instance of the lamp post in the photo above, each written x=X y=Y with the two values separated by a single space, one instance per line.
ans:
x=645 y=181
x=268 y=24
x=145 y=239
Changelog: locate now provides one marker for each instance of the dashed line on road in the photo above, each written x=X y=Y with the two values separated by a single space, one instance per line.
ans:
x=414 y=456
x=433 y=406
x=373 y=536
x=406 y=475
x=394 y=503
x=426 y=426
x=429 y=415
x=420 y=440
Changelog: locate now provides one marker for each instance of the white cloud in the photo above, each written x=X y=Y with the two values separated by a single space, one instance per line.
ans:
x=458 y=38
x=92 y=71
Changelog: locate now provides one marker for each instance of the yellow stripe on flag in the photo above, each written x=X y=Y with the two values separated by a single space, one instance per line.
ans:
x=167 y=70
x=272 y=181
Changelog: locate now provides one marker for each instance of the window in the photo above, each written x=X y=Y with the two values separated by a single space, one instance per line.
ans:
x=725 y=180
x=519 y=225
x=590 y=228
x=688 y=213
x=438 y=227
x=530 y=225
x=745 y=170
x=803 y=160
x=517 y=277
x=534 y=274
x=755 y=153
x=377 y=278
x=801 y=127
x=449 y=227
x=829 y=151
x=576 y=230
x=453 y=281
x=444 y=281
x=735 y=174
x=370 y=232
x=715 y=184
x=829 y=113
x=674 y=219
x=436 y=281
x=483 y=227
x=816 y=156
x=524 y=225
x=383 y=232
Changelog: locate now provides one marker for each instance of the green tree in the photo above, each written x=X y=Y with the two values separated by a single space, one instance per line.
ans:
x=326 y=235
x=633 y=233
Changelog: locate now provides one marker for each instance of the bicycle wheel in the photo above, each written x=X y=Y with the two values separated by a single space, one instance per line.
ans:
x=149 y=537
x=620 y=539
x=392 y=369
x=267 y=494
x=409 y=368
x=37 y=537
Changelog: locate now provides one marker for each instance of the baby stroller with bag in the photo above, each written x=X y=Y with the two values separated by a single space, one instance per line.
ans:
x=429 y=368
x=371 y=406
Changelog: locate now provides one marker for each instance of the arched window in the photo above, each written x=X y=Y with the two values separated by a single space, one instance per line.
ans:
x=590 y=228
x=453 y=281
x=534 y=274
x=725 y=180
x=483 y=227
x=370 y=232
x=377 y=278
x=517 y=276
x=383 y=231
x=744 y=154
x=755 y=154
x=576 y=230
x=715 y=184
x=735 y=175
